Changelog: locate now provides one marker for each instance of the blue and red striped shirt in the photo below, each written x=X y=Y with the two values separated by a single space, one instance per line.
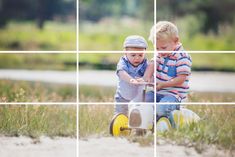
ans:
x=177 y=63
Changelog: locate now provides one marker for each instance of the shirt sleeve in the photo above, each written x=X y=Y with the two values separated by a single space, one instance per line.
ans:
x=183 y=65
x=122 y=65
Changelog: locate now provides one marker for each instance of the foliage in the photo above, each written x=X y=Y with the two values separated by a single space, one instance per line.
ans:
x=38 y=10
x=21 y=91
x=94 y=10
x=96 y=36
x=52 y=61
x=25 y=36
x=210 y=13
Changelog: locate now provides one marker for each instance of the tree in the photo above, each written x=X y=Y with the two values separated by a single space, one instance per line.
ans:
x=39 y=10
x=214 y=11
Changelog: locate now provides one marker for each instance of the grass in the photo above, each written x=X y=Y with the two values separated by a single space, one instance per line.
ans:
x=35 y=121
x=96 y=36
x=106 y=94
x=211 y=97
x=217 y=127
x=214 y=61
x=94 y=120
x=209 y=42
x=97 y=94
x=22 y=91
x=26 y=36
x=55 y=61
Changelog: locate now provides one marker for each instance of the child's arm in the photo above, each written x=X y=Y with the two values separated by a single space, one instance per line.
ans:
x=123 y=75
x=173 y=82
x=149 y=72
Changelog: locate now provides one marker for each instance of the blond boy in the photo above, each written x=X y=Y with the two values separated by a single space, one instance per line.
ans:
x=173 y=69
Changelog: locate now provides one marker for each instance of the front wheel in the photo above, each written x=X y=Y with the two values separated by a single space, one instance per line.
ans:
x=119 y=125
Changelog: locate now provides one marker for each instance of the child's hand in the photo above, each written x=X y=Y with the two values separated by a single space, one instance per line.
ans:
x=159 y=86
x=136 y=81
x=149 y=80
x=140 y=79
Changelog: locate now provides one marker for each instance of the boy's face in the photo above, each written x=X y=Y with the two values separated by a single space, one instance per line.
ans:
x=135 y=58
x=167 y=45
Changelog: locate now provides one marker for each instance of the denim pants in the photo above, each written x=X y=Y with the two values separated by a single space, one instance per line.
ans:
x=121 y=108
x=166 y=108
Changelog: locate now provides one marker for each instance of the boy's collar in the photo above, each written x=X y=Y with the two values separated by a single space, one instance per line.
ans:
x=178 y=47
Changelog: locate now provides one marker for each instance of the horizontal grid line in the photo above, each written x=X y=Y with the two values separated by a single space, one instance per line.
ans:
x=106 y=51
x=38 y=52
x=182 y=104
x=37 y=104
x=194 y=51
x=112 y=103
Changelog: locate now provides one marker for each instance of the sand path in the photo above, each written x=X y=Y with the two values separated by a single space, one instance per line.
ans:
x=117 y=147
x=97 y=147
x=44 y=147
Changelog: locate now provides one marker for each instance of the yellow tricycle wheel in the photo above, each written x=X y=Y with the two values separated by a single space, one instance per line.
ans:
x=163 y=124
x=119 y=125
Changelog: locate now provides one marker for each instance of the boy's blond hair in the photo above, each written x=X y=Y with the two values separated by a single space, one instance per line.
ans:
x=164 y=30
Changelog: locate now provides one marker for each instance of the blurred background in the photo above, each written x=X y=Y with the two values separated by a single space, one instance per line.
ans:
x=37 y=77
x=104 y=24
x=37 y=25
x=203 y=25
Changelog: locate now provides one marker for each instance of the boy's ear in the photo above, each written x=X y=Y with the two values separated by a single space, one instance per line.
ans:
x=176 y=39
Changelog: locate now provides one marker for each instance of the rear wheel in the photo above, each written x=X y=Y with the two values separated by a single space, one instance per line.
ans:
x=119 y=125
x=163 y=124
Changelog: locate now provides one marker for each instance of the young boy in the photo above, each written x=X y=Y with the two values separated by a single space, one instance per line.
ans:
x=173 y=69
x=130 y=69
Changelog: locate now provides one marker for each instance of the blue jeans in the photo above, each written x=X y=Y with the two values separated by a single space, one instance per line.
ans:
x=164 y=109
x=121 y=108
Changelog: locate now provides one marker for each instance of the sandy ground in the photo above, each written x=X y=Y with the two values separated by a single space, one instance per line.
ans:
x=117 y=147
x=112 y=147
x=44 y=147
x=97 y=147
x=165 y=149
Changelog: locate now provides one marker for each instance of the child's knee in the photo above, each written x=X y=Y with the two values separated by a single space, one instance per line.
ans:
x=121 y=108
x=149 y=97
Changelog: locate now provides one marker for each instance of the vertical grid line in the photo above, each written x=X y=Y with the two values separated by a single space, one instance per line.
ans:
x=77 y=74
x=154 y=77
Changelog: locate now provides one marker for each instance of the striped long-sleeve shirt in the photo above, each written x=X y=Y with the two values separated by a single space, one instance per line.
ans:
x=177 y=63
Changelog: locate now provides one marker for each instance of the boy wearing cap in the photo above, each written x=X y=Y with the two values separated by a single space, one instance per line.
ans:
x=130 y=70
